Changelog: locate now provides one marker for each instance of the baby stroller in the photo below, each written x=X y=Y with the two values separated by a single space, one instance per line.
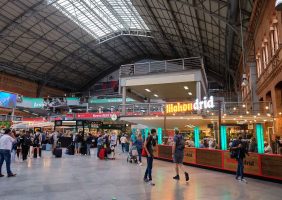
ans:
x=132 y=155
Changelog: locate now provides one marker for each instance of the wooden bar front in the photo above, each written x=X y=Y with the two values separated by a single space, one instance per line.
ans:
x=261 y=165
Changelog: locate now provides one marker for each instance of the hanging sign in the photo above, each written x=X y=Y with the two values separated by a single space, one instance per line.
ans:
x=185 y=107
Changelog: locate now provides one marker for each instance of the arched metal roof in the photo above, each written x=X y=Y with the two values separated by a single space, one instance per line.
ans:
x=71 y=44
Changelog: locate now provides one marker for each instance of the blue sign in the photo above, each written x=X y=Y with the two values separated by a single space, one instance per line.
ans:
x=8 y=100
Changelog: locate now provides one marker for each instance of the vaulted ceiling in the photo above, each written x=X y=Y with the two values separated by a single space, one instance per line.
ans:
x=72 y=44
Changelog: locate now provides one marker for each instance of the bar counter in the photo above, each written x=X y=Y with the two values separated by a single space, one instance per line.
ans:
x=260 y=165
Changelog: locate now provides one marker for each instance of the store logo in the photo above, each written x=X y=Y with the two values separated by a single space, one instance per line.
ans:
x=114 y=117
x=185 y=107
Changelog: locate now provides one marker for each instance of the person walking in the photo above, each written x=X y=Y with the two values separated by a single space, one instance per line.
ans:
x=26 y=144
x=240 y=150
x=139 y=144
x=178 y=154
x=89 y=142
x=123 y=141
x=148 y=146
x=6 y=143
x=37 y=144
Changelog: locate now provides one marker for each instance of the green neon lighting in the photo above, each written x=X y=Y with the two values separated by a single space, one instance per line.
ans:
x=160 y=135
x=197 y=136
x=146 y=132
x=223 y=137
x=260 y=139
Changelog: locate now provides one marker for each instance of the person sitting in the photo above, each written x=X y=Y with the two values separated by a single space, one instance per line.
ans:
x=253 y=147
x=267 y=148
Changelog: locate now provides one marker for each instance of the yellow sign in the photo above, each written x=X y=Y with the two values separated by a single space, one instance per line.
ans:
x=185 y=107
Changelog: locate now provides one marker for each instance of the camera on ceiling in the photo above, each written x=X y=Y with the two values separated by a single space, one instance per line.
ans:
x=245 y=81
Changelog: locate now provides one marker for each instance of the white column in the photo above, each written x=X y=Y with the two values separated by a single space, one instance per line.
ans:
x=198 y=93
x=198 y=90
x=123 y=100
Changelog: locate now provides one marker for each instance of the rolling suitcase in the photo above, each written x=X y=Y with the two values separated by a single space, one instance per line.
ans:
x=70 y=150
x=102 y=153
x=58 y=152
x=83 y=149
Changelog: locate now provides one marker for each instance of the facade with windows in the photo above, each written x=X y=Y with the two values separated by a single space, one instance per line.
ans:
x=265 y=43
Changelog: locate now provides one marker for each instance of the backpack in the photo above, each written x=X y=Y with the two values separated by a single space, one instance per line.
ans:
x=51 y=140
x=180 y=143
x=234 y=153
x=36 y=140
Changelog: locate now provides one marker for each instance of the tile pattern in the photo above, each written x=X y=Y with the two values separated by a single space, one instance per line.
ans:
x=88 y=178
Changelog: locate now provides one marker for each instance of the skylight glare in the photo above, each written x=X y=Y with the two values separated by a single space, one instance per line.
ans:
x=102 y=17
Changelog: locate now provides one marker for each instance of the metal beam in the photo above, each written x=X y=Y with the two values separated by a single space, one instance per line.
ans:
x=177 y=26
x=39 y=56
x=172 y=48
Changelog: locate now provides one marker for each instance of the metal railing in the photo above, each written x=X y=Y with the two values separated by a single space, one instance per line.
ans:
x=228 y=108
x=165 y=66
x=10 y=118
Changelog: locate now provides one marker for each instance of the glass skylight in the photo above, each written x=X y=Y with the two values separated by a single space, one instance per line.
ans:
x=102 y=17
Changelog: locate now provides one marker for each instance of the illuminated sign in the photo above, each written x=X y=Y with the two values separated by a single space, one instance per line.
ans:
x=185 y=107
x=8 y=100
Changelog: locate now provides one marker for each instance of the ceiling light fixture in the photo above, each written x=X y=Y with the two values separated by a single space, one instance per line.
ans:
x=243 y=105
x=148 y=90
x=186 y=87
x=190 y=93
x=156 y=95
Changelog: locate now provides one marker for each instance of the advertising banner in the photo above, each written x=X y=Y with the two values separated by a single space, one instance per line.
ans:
x=112 y=100
x=28 y=102
x=95 y=115
x=8 y=100
x=55 y=102
x=73 y=101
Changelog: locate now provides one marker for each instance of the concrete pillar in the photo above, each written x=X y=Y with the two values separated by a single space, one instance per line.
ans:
x=253 y=81
x=123 y=100
x=198 y=90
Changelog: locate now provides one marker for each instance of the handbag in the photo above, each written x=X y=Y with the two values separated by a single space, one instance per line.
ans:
x=144 y=152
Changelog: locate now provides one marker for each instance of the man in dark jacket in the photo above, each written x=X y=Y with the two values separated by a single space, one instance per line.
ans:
x=240 y=149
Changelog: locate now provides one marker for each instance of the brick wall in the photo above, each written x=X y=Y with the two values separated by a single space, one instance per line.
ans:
x=25 y=87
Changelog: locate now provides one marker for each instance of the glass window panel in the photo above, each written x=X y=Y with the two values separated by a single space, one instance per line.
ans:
x=102 y=17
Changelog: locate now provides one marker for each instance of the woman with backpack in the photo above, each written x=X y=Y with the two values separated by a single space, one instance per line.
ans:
x=36 y=144
x=178 y=154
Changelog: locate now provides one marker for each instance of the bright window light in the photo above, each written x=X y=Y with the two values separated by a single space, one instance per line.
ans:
x=102 y=17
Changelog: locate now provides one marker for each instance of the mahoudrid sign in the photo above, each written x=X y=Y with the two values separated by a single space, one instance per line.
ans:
x=185 y=107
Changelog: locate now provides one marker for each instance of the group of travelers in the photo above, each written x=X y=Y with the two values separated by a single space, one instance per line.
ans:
x=20 y=145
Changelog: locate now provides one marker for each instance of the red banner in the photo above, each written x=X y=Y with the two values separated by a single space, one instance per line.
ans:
x=95 y=115
x=36 y=119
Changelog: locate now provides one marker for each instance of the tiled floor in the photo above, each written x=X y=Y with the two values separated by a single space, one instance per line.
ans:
x=82 y=177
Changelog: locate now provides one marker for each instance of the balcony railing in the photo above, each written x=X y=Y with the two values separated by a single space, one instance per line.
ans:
x=228 y=108
x=165 y=66
x=271 y=70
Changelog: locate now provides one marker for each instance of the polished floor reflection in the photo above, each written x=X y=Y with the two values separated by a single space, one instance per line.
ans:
x=82 y=177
